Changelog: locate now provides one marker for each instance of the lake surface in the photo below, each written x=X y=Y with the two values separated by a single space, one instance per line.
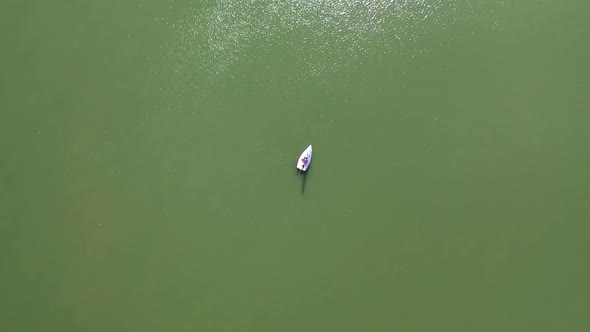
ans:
x=148 y=183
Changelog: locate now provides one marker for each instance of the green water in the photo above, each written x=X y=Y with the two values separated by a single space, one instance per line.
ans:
x=147 y=178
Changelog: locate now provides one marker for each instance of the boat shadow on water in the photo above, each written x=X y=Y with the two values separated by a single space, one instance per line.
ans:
x=304 y=176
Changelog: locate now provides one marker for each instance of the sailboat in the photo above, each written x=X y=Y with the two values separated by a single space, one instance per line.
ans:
x=304 y=160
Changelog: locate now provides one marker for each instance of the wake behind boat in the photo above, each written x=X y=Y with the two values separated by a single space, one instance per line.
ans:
x=304 y=159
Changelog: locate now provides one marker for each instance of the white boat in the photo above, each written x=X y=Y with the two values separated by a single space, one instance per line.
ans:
x=304 y=160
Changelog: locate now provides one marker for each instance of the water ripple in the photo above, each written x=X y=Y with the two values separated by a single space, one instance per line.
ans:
x=314 y=38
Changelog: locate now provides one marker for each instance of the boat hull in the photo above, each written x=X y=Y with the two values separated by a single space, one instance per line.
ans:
x=305 y=159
